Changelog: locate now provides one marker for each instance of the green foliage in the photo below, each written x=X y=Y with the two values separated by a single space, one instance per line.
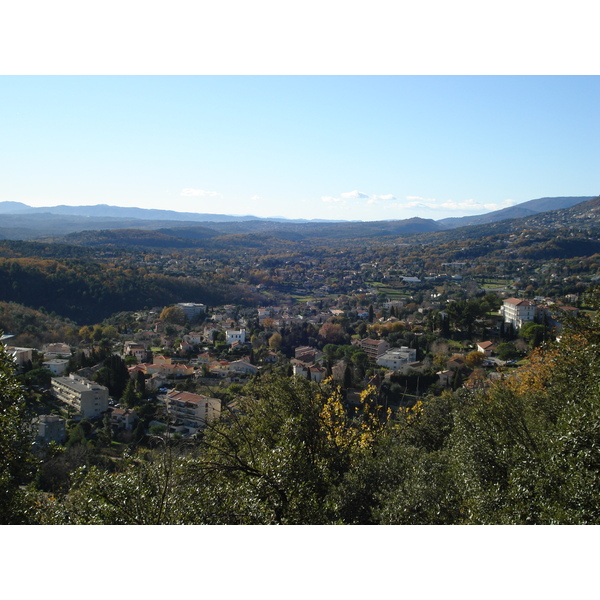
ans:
x=16 y=460
x=114 y=375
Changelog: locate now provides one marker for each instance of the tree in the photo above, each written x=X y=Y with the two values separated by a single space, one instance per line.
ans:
x=474 y=359
x=129 y=398
x=114 y=375
x=507 y=351
x=275 y=341
x=173 y=315
x=332 y=333
x=16 y=460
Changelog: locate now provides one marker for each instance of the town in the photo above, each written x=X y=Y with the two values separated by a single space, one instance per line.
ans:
x=272 y=377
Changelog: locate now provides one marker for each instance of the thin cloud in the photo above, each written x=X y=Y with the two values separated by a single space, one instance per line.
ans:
x=359 y=197
x=332 y=200
x=355 y=195
x=469 y=205
x=255 y=197
x=417 y=204
x=200 y=193
x=428 y=201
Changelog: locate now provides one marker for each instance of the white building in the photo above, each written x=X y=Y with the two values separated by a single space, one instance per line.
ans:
x=191 y=309
x=57 y=366
x=235 y=335
x=88 y=398
x=517 y=311
x=394 y=358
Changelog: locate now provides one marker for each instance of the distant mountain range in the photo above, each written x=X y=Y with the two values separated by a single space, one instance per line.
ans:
x=120 y=212
x=19 y=221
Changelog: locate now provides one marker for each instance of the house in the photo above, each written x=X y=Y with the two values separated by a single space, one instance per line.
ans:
x=413 y=366
x=88 y=398
x=486 y=348
x=21 y=356
x=135 y=349
x=209 y=334
x=50 y=428
x=190 y=409
x=317 y=373
x=271 y=357
x=162 y=360
x=456 y=362
x=242 y=366
x=307 y=354
x=167 y=369
x=193 y=337
x=123 y=418
x=235 y=335
x=517 y=311
x=204 y=358
x=56 y=350
x=313 y=372
x=445 y=377
x=186 y=346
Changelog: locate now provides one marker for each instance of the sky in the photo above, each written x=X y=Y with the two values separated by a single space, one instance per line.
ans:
x=356 y=132
x=329 y=147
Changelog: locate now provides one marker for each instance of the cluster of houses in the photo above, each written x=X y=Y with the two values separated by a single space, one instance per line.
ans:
x=191 y=412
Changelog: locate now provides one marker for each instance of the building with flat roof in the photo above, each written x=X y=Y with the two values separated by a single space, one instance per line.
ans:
x=374 y=348
x=57 y=366
x=190 y=409
x=88 y=398
x=394 y=358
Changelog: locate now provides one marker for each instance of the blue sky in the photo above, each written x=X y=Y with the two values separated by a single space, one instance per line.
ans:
x=332 y=147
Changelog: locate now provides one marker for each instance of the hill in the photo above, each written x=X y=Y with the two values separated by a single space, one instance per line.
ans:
x=519 y=211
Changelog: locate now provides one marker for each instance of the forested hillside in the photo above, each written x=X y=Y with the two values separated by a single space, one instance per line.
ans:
x=88 y=291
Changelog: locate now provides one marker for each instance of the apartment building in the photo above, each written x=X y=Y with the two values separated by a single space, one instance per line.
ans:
x=194 y=410
x=518 y=311
x=88 y=398
x=374 y=348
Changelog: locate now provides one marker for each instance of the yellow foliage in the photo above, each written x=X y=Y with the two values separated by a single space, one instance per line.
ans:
x=346 y=433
